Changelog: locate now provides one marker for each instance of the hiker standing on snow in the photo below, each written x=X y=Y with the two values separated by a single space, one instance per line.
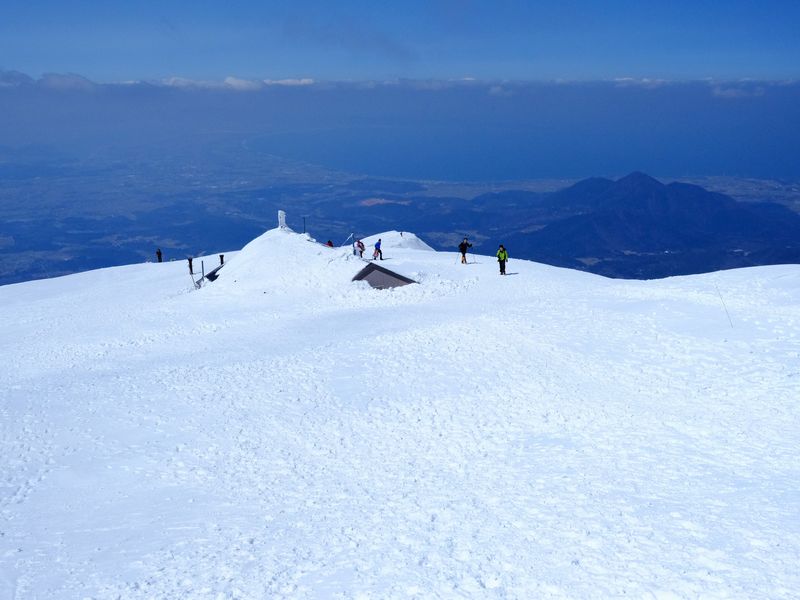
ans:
x=361 y=248
x=463 y=247
x=502 y=257
x=378 y=252
x=158 y=254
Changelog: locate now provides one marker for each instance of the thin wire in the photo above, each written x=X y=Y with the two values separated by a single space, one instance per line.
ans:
x=723 y=305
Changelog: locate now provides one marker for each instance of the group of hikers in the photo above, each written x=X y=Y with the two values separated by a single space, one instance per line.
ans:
x=502 y=254
x=190 y=259
x=463 y=247
x=376 y=254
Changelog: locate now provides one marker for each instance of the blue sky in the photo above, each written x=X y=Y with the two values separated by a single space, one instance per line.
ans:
x=375 y=40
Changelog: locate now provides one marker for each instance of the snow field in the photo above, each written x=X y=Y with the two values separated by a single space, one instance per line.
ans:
x=286 y=433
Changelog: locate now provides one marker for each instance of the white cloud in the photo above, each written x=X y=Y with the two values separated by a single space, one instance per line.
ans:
x=234 y=83
x=737 y=92
x=244 y=85
x=290 y=82
x=183 y=82
x=645 y=82
x=69 y=81
x=499 y=90
x=14 y=79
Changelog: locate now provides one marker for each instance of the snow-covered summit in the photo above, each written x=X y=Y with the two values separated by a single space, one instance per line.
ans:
x=281 y=262
x=397 y=239
x=284 y=432
x=281 y=259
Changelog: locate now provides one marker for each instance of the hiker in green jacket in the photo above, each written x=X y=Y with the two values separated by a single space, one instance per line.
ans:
x=502 y=257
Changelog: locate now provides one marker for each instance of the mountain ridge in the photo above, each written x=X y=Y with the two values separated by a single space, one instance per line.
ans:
x=637 y=226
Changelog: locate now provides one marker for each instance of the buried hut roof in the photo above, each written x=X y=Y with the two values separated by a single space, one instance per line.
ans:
x=381 y=278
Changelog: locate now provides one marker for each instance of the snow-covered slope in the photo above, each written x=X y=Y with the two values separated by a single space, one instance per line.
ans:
x=284 y=432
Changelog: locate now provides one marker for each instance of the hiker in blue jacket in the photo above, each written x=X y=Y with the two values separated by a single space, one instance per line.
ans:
x=378 y=253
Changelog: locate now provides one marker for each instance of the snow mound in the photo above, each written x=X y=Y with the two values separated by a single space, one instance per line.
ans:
x=397 y=239
x=283 y=262
x=281 y=259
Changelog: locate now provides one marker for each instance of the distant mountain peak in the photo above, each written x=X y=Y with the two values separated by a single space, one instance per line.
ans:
x=639 y=179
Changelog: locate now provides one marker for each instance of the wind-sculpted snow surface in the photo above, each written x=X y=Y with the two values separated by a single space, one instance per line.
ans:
x=284 y=432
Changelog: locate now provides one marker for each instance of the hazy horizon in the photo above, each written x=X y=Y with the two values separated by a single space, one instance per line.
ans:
x=449 y=130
